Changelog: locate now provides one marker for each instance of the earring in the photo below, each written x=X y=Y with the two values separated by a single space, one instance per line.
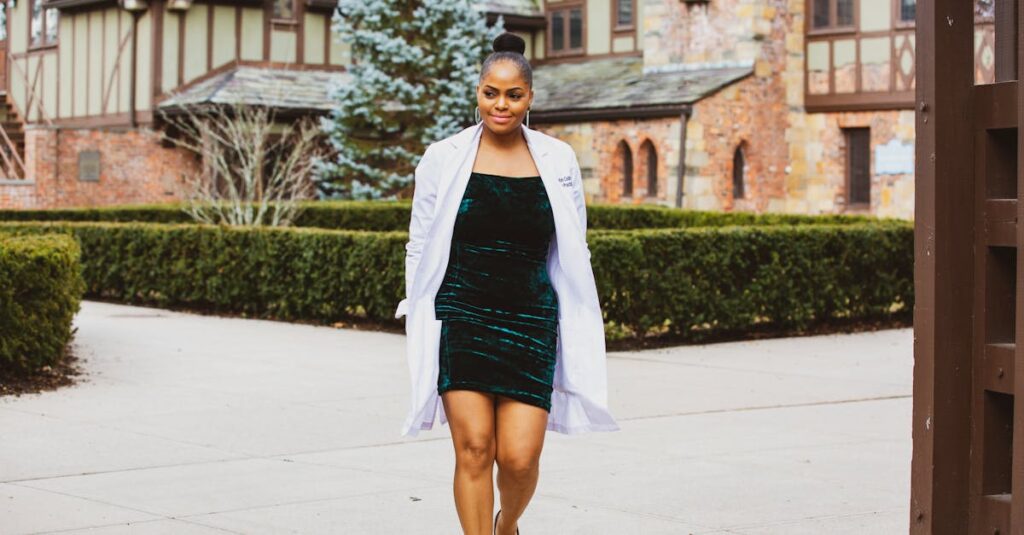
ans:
x=527 y=118
x=477 y=114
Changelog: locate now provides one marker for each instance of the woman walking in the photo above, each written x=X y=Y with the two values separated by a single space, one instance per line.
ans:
x=504 y=330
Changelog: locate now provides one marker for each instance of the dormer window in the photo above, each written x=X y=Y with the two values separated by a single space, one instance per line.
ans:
x=624 y=11
x=43 y=24
x=565 y=31
x=832 y=14
x=908 y=11
x=284 y=9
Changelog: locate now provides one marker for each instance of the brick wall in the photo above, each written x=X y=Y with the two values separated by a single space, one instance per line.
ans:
x=794 y=161
x=596 y=145
x=134 y=168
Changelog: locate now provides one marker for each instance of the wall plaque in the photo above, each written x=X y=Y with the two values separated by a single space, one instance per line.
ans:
x=89 y=165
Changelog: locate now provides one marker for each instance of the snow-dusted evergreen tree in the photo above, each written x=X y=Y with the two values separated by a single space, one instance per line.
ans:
x=415 y=66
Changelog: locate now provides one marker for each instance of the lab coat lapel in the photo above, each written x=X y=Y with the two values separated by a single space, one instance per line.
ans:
x=564 y=213
x=454 y=177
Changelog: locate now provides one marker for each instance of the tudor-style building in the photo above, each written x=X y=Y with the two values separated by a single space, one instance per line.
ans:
x=783 y=106
x=84 y=83
x=773 y=106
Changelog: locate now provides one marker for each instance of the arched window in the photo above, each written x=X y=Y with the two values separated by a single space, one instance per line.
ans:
x=626 y=159
x=651 y=159
x=737 y=173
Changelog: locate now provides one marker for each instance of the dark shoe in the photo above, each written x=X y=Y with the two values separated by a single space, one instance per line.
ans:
x=495 y=530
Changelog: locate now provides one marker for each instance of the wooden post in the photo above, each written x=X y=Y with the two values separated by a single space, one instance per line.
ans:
x=943 y=267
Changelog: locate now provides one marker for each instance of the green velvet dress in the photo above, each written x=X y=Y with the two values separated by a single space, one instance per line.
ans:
x=498 y=310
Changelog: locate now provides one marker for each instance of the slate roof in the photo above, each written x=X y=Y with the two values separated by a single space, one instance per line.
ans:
x=525 y=8
x=622 y=83
x=300 y=90
x=610 y=83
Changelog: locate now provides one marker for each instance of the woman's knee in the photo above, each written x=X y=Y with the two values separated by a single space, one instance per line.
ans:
x=475 y=454
x=518 y=465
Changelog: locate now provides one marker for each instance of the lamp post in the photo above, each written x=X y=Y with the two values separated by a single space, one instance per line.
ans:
x=179 y=5
x=134 y=5
x=136 y=8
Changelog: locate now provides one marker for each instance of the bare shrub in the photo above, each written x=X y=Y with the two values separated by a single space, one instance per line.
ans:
x=253 y=170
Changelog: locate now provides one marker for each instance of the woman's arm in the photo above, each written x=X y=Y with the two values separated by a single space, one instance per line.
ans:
x=423 y=199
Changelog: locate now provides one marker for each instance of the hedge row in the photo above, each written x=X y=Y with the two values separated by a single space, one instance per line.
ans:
x=394 y=216
x=699 y=281
x=41 y=290
x=685 y=281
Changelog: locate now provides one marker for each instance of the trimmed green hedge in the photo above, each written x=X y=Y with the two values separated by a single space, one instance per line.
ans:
x=394 y=215
x=700 y=281
x=41 y=290
x=690 y=282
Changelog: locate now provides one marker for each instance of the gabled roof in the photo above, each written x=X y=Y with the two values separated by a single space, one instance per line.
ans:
x=284 y=89
x=622 y=84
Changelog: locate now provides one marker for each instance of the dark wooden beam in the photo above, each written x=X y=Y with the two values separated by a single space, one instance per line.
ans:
x=943 y=268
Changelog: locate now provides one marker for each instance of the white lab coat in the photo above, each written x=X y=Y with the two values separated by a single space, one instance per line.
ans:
x=579 y=400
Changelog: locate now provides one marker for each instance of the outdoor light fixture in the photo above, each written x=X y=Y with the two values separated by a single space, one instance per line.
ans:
x=179 y=5
x=134 y=5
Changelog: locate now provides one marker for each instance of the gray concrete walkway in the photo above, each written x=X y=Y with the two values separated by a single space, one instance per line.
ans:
x=192 y=424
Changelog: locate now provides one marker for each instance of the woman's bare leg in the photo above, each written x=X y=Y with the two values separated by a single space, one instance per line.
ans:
x=470 y=416
x=520 y=437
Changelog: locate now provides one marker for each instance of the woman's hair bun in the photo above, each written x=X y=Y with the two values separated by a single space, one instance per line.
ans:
x=509 y=42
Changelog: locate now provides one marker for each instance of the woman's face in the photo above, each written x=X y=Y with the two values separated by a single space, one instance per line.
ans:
x=503 y=98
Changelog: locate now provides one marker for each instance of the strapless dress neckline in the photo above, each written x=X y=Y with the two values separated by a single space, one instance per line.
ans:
x=503 y=177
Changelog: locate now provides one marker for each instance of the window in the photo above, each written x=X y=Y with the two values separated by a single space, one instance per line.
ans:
x=908 y=10
x=625 y=158
x=858 y=165
x=623 y=14
x=566 y=31
x=43 y=31
x=832 y=14
x=738 y=166
x=284 y=9
x=652 y=168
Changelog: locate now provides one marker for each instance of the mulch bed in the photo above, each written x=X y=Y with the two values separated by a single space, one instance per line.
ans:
x=63 y=373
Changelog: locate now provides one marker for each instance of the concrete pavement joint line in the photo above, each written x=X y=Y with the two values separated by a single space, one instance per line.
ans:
x=239 y=455
x=212 y=447
x=732 y=453
x=133 y=523
x=132 y=469
x=410 y=475
x=302 y=502
x=186 y=518
x=765 y=407
x=376 y=445
x=814 y=518
x=726 y=368
x=94 y=500
x=177 y=465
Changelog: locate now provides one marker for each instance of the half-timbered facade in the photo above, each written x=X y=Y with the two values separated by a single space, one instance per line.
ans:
x=85 y=81
x=779 y=106
x=772 y=106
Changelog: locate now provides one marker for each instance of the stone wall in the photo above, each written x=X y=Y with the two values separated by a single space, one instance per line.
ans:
x=817 y=151
x=719 y=31
x=134 y=168
x=794 y=161
x=596 y=145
